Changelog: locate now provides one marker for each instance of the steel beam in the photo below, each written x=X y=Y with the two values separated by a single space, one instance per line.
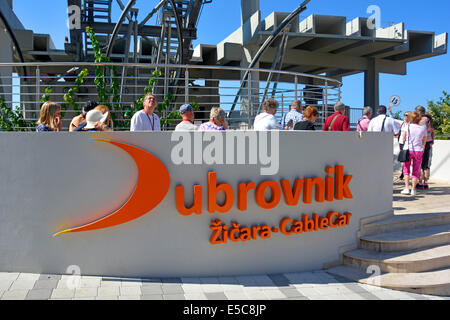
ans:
x=118 y=25
x=145 y=31
x=14 y=40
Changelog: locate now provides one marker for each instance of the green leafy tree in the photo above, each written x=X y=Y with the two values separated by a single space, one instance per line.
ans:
x=102 y=90
x=139 y=103
x=398 y=115
x=69 y=97
x=440 y=111
x=172 y=117
x=11 y=120
x=46 y=95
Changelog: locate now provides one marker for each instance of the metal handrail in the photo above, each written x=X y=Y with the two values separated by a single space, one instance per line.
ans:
x=322 y=94
x=170 y=66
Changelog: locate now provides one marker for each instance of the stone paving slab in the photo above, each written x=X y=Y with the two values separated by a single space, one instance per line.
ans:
x=39 y=294
x=156 y=290
x=433 y=200
x=63 y=294
x=46 y=284
x=298 y=286
x=14 y=295
x=196 y=296
x=153 y=297
x=108 y=291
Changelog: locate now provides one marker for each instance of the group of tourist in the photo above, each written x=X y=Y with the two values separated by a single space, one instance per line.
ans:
x=98 y=118
x=417 y=136
x=295 y=119
x=93 y=118
x=415 y=132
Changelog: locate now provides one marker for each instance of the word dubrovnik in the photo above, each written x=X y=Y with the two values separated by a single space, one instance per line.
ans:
x=335 y=186
x=223 y=234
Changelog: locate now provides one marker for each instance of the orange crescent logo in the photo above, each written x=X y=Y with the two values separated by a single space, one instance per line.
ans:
x=151 y=188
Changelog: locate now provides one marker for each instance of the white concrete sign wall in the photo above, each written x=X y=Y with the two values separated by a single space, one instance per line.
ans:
x=440 y=165
x=53 y=182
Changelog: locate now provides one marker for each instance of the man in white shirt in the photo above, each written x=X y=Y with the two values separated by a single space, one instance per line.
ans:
x=266 y=120
x=187 y=114
x=383 y=123
x=146 y=120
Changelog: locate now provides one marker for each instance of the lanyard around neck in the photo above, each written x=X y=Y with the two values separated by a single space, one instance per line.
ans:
x=152 y=122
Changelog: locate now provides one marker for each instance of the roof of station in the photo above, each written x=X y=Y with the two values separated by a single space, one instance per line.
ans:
x=323 y=44
x=319 y=44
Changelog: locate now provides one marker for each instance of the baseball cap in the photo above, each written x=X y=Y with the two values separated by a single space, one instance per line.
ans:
x=185 y=108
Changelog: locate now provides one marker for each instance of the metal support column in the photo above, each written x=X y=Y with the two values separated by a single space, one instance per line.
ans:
x=372 y=86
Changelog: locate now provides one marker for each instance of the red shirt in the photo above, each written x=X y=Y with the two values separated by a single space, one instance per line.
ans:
x=342 y=123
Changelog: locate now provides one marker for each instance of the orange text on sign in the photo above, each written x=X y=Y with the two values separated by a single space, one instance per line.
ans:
x=223 y=234
x=335 y=186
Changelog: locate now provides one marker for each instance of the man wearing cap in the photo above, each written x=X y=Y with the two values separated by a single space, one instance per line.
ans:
x=187 y=114
x=146 y=120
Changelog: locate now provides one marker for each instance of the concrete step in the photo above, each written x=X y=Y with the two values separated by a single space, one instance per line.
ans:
x=404 y=222
x=411 y=261
x=432 y=283
x=407 y=239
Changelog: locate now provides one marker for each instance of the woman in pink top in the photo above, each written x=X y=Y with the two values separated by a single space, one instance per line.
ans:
x=414 y=138
x=363 y=123
x=403 y=129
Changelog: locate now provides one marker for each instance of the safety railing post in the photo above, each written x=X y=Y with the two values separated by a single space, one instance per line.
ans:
x=249 y=110
x=186 y=87
x=296 y=88
x=38 y=88
x=325 y=100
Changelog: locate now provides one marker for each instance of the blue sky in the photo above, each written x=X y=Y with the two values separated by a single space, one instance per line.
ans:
x=425 y=80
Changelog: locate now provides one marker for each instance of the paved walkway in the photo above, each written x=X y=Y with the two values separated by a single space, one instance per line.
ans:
x=314 y=285
x=435 y=199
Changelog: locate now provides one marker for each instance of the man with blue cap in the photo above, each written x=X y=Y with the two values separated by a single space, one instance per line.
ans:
x=187 y=114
